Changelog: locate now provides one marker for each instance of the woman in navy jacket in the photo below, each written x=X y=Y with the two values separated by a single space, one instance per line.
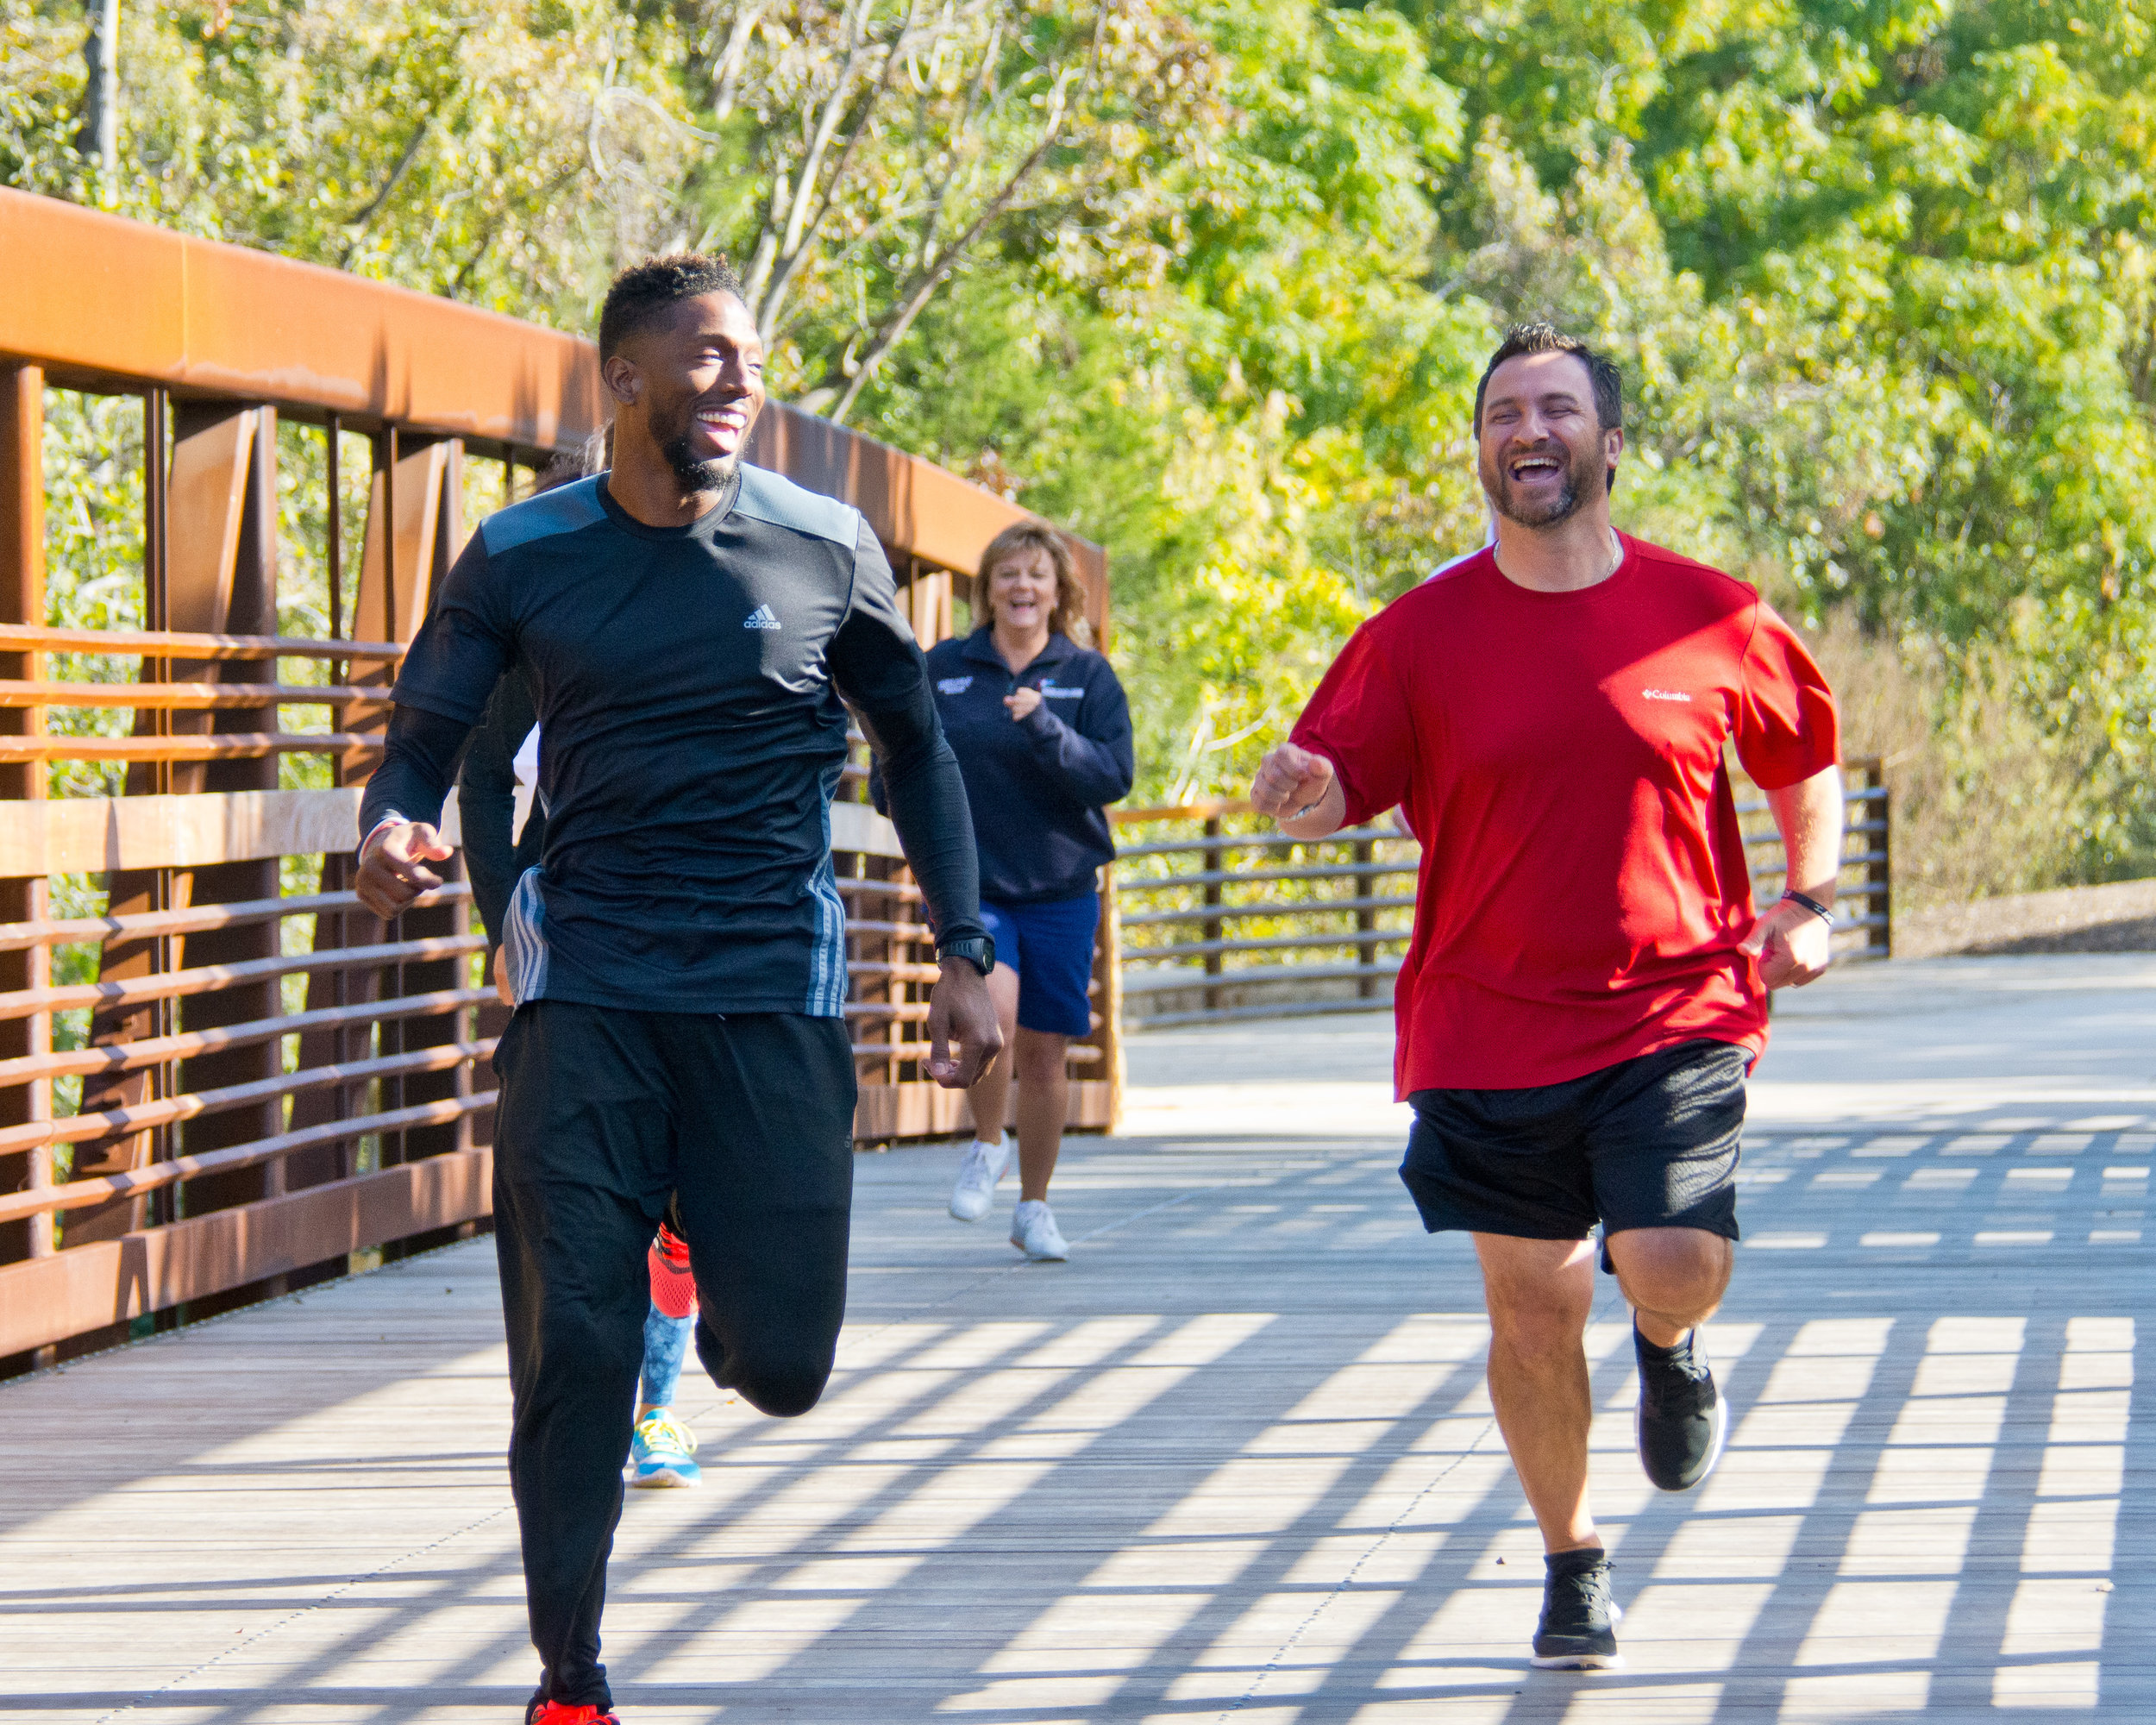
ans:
x=1042 y=735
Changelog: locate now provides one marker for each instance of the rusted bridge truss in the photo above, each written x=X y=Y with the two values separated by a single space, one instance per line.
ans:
x=243 y=1079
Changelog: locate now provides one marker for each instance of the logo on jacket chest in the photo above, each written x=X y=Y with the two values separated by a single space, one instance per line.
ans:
x=953 y=685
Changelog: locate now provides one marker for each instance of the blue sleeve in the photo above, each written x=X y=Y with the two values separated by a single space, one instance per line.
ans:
x=1093 y=762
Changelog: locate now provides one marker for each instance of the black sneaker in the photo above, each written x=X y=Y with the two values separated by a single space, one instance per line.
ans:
x=1682 y=1423
x=1578 y=1630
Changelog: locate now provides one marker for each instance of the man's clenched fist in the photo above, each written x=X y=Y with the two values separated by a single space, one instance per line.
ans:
x=1298 y=789
x=393 y=865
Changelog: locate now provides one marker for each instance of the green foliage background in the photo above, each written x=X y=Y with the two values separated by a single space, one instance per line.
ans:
x=1880 y=273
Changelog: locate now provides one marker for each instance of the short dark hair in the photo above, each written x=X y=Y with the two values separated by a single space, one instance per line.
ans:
x=1540 y=337
x=643 y=291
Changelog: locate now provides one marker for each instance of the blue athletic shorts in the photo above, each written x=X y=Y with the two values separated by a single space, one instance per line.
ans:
x=1051 y=946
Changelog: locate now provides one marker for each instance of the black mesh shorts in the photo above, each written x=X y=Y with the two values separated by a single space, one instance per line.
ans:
x=1649 y=1143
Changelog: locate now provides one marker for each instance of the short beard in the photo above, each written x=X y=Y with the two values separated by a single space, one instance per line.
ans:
x=1579 y=480
x=696 y=475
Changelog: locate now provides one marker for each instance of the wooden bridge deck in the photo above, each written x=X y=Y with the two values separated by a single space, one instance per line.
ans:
x=1235 y=1460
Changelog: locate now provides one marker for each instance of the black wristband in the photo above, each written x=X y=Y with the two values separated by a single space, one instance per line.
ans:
x=1812 y=904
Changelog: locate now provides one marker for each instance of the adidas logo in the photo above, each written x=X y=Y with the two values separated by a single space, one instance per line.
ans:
x=761 y=617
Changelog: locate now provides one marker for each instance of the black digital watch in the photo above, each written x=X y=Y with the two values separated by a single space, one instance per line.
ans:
x=977 y=949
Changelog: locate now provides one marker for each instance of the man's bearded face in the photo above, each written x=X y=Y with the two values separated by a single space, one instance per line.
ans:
x=1541 y=454
x=1541 y=481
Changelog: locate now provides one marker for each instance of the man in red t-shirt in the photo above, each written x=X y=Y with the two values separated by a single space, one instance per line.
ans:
x=1586 y=986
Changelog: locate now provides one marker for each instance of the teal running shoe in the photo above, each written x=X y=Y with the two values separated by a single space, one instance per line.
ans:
x=663 y=1451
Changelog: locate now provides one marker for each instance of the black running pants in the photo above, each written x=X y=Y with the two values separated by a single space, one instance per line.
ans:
x=747 y=1120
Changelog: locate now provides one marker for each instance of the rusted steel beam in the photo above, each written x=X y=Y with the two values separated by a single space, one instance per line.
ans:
x=116 y=303
x=913 y=506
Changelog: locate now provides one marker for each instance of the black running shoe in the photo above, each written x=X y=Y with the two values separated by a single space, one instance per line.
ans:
x=1578 y=1630
x=1682 y=1422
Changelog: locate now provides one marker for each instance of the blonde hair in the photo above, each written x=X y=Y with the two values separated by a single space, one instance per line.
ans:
x=1069 y=615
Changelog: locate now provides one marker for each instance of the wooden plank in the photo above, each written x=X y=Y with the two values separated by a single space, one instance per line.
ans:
x=1235 y=1460
x=47 y=1300
x=94 y=834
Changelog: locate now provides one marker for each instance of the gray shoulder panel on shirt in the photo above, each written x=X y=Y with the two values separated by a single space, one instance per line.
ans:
x=566 y=509
x=766 y=497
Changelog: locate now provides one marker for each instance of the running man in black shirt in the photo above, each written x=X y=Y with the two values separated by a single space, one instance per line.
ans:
x=688 y=626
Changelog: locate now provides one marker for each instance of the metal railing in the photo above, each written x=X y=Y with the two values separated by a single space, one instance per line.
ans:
x=1223 y=917
x=220 y=1077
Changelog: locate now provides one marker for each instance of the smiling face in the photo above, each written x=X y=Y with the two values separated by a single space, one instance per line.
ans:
x=1022 y=592
x=1541 y=449
x=695 y=375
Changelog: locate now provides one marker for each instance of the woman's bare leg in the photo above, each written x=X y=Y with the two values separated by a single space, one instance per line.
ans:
x=991 y=1097
x=1044 y=1101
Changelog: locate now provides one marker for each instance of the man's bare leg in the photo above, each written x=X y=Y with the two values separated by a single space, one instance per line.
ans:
x=1674 y=1277
x=1539 y=1293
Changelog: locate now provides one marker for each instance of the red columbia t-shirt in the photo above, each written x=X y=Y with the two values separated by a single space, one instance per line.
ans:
x=1584 y=886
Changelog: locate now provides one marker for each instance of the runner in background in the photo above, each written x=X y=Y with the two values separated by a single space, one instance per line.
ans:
x=1585 y=990
x=1042 y=735
x=505 y=833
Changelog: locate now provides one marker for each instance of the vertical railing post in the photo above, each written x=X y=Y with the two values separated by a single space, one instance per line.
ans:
x=1879 y=872
x=22 y=600
x=1108 y=968
x=1365 y=921
x=1211 y=856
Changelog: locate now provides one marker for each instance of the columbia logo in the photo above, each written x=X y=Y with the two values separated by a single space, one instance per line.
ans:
x=761 y=617
x=1664 y=695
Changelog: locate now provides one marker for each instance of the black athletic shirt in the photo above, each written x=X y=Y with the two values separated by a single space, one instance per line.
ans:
x=686 y=682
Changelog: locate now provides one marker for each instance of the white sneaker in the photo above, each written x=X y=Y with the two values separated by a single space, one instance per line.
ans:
x=977 y=1175
x=1033 y=1232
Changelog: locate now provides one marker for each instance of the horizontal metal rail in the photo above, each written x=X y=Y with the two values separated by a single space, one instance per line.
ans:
x=1163 y=982
x=1206 y=949
x=227 y=745
x=76 y=1194
x=187 y=697
x=1292 y=908
x=209 y=978
x=156 y=1050
x=162 y=643
x=1258 y=842
x=1218 y=896
x=200 y=918
x=1220 y=877
x=140 y=1116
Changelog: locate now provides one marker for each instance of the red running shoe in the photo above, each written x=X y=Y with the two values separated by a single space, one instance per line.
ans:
x=561 y=1713
x=674 y=1292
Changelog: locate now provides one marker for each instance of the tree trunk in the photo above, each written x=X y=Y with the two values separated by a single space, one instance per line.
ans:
x=100 y=133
